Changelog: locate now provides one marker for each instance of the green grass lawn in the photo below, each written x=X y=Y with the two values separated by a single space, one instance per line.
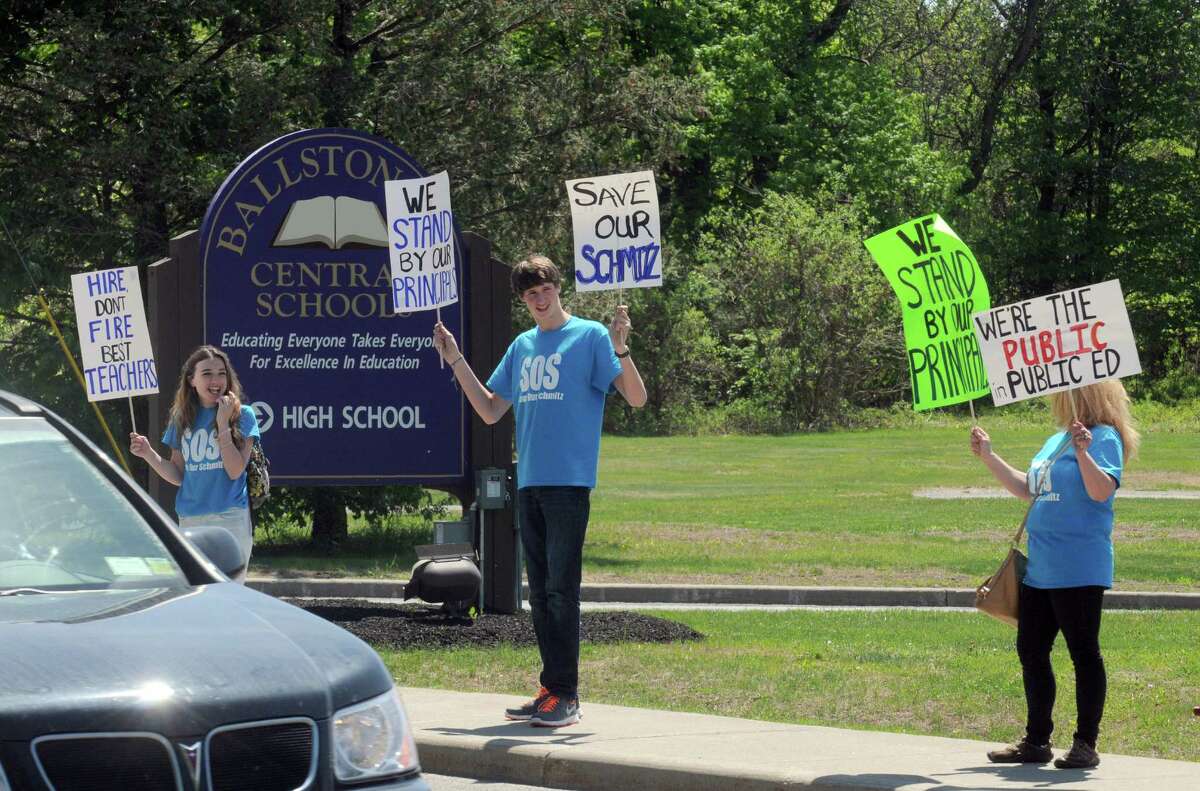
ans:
x=838 y=508
x=831 y=508
x=936 y=673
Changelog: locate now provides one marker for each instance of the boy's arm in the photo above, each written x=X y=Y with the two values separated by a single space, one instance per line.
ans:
x=629 y=382
x=489 y=406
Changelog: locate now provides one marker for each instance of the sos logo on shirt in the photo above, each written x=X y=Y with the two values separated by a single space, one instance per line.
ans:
x=200 y=446
x=540 y=372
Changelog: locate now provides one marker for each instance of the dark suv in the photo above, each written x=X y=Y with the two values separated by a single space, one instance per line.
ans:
x=129 y=661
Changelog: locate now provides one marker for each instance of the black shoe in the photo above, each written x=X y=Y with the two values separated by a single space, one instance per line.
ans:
x=555 y=712
x=1022 y=753
x=528 y=709
x=1081 y=756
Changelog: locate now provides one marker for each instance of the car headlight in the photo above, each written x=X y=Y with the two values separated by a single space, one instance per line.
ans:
x=373 y=739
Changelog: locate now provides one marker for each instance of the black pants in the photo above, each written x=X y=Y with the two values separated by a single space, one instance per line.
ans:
x=1076 y=613
x=553 y=526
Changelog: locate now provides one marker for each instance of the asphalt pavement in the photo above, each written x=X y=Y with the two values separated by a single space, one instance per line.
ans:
x=452 y=783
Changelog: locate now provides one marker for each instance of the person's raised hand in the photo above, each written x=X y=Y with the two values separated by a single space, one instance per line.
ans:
x=139 y=446
x=444 y=343
x=1081 y=437
x=981 y=443
x=619 y=328
x=228 y=405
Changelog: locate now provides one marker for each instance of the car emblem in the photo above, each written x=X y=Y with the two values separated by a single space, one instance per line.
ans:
x=191 y=755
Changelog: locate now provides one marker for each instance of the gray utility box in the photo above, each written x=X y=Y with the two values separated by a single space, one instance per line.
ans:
x=458 y=531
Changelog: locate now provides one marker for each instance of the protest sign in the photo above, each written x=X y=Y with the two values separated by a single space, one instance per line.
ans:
x=617 y=235
x=940 y=285
x=1056 y=342
x=421 y=243
x=114 y=340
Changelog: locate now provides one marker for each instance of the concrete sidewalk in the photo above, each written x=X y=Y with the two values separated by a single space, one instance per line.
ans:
x=615 y=748
x=822 y=596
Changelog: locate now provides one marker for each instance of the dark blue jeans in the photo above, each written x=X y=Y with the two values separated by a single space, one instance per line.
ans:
x=553 y=525
x=1076 y=613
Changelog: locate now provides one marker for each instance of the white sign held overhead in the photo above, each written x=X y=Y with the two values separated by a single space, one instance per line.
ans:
x=421 y=243
x=618 y=240
x=1056 y=342
x=114 y=339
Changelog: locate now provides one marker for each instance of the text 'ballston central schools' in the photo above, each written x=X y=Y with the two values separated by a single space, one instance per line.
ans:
x=375 y=416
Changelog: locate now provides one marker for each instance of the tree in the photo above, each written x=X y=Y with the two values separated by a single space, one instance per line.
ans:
x=124 y=118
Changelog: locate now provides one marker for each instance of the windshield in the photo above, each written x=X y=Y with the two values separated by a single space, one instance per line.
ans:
x=64 y=526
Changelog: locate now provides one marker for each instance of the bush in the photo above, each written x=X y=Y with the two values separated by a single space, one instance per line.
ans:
x=810 y=327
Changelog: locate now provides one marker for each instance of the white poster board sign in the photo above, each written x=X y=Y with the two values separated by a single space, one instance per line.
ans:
x=618 y=241
x=1056 y=342
x=421 y=243
x=114 y=339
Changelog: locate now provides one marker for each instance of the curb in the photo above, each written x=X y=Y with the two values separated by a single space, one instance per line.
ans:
x=621 y=593
x=616 y=747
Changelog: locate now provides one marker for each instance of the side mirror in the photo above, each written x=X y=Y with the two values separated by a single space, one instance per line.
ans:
x=219 y=546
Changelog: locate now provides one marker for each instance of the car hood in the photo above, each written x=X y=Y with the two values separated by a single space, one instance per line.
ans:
x=176 y=662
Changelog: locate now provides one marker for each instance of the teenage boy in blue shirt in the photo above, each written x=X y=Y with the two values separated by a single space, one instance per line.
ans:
x=557 y=375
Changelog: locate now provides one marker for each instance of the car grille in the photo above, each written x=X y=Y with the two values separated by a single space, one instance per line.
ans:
x=274 y=756
x=135 y=762
x=277 y=755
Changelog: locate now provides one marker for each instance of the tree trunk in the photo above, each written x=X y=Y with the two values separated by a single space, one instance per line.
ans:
x=330 y=526
x=1038 y=274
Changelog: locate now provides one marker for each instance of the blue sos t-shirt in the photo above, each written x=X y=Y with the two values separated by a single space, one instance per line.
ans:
x=557 y=381
x=1070 y=534
x=206 y=487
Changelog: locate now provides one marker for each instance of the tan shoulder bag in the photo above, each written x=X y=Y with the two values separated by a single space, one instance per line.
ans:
x=1000 y=593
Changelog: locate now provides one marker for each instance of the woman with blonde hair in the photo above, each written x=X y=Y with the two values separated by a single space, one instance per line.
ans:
x=210 y=433
x=1072 y=481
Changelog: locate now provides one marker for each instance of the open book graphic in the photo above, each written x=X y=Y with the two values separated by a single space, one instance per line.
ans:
x=333 y=222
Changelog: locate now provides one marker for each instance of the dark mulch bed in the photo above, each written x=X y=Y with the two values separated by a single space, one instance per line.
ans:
x=390 y=626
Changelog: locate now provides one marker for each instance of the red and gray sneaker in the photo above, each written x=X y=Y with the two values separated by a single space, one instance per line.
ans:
x=528 y=709
x=556 y=711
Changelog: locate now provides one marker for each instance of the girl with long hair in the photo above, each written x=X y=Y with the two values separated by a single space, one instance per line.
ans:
x=211 y=433
x=1071 y=481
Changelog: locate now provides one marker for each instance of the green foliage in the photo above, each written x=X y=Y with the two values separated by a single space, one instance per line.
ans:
x=1058 y=138
x=1168 y=328
x=373 y=505
x=810 y=324
x=122 y=121
x=793 y=105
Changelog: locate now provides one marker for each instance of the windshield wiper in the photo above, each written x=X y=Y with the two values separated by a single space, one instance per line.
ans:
x=22 y=591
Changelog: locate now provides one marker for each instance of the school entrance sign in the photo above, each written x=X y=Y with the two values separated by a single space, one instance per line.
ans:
x=294 y=253
x=290 y=274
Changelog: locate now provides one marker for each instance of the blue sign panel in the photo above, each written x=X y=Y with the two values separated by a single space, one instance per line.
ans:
x=297 y=291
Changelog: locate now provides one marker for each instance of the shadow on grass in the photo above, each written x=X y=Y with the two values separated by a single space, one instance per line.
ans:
x=608 y=562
